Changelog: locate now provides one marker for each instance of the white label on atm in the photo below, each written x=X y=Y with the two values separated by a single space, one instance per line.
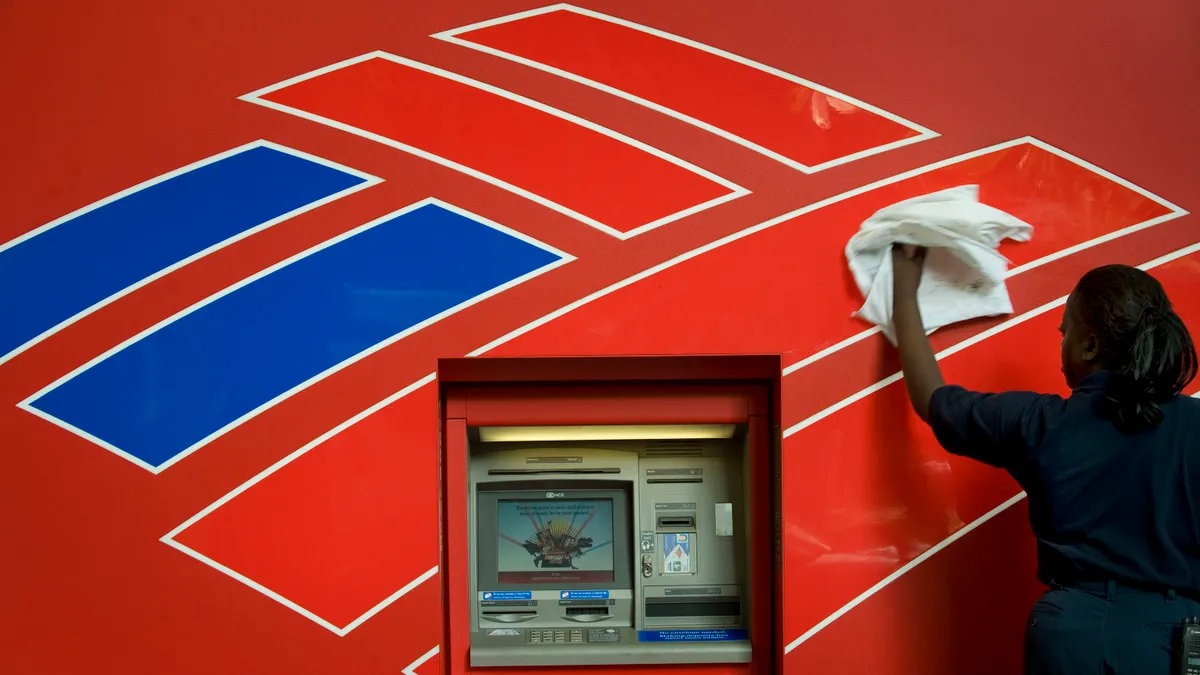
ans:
x=583 y=595
x=724 y=520
x=677 y=553
x=508 y=595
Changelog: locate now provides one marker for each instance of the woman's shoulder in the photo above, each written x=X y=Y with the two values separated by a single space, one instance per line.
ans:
x=954 y=400
x=1182 y=404
x=1018 y=397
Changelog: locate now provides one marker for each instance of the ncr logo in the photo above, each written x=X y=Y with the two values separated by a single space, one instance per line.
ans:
x=554 y=495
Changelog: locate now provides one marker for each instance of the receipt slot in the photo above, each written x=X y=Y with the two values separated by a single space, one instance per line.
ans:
x=595 y=520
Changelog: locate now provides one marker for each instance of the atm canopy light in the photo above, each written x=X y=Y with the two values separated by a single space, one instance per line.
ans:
x=612 y=432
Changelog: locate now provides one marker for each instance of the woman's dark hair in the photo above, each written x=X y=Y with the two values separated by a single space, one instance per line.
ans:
x=1143 y=343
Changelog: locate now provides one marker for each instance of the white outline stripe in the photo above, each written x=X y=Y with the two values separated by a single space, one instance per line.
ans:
x=302 y=450
x=452 y=36
x=411 y=669
x=368 y=181
x=1104 y=172
x=734 y=237
x=909 y=566
x=896 y=377
x=169 y=538
x=28 y=403
x=736 y=190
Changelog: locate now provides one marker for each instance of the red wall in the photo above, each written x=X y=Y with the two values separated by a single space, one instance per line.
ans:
x=319 y=555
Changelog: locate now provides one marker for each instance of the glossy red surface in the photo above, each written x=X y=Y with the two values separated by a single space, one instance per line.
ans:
x=809 y=126
x=111 y=94
x=974 y=597
x=330 y=530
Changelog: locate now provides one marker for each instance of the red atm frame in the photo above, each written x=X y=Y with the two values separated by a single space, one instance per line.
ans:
x=737 y=389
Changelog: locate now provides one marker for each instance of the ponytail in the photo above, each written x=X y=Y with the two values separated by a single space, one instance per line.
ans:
x=1144 y=344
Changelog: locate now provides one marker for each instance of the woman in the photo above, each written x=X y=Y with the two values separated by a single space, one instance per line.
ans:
x=1112 y=472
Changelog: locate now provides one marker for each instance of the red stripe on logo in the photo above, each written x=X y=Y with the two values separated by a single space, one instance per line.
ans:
x=610 y=182
x=776 y=112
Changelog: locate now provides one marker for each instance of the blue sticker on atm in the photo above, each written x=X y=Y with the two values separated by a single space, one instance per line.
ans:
x=583 y=595
x=690 y=635
x=508 y=595
x=677 y=553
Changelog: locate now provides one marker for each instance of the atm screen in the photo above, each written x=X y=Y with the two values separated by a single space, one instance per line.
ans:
x=548 y=541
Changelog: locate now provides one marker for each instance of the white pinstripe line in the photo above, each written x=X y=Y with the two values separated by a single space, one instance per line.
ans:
x=291 y=457
x=368 y=181
x=896 y=377
x=169 y=538
x=908 y=567
x=306 y=613
x=452 y=36
x=735 y=190
x=411 y=669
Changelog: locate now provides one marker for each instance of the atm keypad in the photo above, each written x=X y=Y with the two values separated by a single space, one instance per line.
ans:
x=556 y=635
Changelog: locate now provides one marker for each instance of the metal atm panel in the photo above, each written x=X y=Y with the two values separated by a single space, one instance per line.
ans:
x=616 y=552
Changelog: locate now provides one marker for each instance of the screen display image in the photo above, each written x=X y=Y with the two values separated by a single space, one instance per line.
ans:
x=543 y=541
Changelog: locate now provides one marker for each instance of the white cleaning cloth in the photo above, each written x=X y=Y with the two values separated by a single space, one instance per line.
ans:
x=964 y=274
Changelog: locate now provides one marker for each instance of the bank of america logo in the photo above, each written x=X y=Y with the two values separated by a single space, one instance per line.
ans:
x=199 y=374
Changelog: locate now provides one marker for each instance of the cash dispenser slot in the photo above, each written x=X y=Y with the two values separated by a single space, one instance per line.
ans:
x=587 y=611
x=587 y=614
x=543 y=472
x=670 y=607
x=676 y=523
x=508 y=616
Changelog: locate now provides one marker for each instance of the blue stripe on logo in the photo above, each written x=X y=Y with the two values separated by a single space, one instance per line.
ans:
x=67 y=268
x=212 y=366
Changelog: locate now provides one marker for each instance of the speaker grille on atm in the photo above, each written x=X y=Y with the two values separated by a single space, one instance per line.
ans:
x=679 y=448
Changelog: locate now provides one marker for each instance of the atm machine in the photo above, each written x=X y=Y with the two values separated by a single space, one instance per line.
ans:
x=608 y=546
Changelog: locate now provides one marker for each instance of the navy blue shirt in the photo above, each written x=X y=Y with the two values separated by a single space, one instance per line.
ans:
x=1104 y=505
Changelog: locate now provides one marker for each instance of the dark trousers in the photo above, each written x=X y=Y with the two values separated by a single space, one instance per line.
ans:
x=1106 y=629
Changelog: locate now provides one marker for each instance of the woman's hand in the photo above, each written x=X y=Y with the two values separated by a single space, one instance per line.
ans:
x=922 y=375
x=907 y=264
